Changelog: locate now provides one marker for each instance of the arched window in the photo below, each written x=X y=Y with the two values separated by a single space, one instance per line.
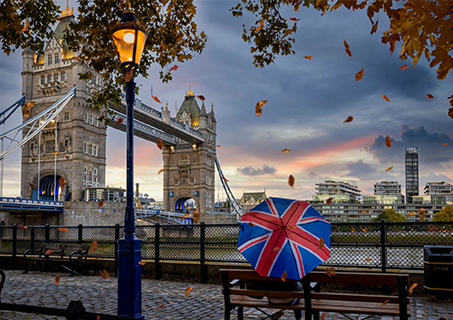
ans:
x=85 y=170
x=90 y=149
x=32 y=149
x=85 y=117
x=95 y=171
x=91 y=119
x=84 y=147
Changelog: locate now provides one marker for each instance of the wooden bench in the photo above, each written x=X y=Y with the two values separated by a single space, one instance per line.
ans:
x=74 y=255
x=314 y=301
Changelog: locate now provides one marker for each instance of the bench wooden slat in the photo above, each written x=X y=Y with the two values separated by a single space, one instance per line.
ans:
x=264 y=303
x=363 y=278
x=390 y=309
x=263 y=293
x=354 y=297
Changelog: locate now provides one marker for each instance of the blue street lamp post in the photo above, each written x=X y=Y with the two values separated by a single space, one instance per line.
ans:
x=129 y=38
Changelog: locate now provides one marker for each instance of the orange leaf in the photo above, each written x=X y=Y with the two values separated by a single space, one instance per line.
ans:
x=329 y=201
x=389 y=168
x=161 y=48
x=367 y=260
x=160 y=143
x=421 y=214
x=174 y=68
x=119 y=120
x=62 y=229
x=348 y=119
x=27 y=113
x=308 y=57
x=101 y=203
x=294 y=19
x=141 y=263
x=392 y=47
x=388 y=141
x=102 y=274
x=403 y=67
x=29 y=105
x=284 y=275
x=291 y=227
x=225 y=179
x=445 y=144
x=285 y=151
x=185 y=216
x=430 y=96
x=348 y=52
x=277 y=249
x=27 y=25
x=62 y=182
x=411 y=288
x=22 y=227
x=57 y=278
x=291 y=180
x=251 y=224
x=320 y=244
x=188 y=290
x=218 y=146
x=346 y=45
x=160 y=306
x=374 y=28
x=258 y=107
x=156 y=99
x=410 y=214
x=202 y=98
x=330 y=271
x=128 y=76
x=323 y=316
x=121 y=5
x=450 y=112
x=260 y=26
x=359 y=75
x=76 y=58
x=384 y=303
x=94 y=246
x=161 y=170
x=385 y=97
x=98 y=317
x=48 y=252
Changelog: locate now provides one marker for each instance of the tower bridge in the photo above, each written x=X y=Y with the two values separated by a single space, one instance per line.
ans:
x=63 y=141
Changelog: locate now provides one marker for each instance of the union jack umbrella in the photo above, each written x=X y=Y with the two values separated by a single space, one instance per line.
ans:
x=281 y=235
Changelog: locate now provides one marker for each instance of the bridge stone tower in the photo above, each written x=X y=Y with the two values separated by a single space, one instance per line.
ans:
x=75 y=143
x=190 y=169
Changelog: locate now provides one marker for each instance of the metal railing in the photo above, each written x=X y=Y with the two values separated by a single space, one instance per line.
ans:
x=382 y=245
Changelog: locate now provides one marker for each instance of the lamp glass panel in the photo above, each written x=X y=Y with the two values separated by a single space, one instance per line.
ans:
x=141 y=39
x=125 y=47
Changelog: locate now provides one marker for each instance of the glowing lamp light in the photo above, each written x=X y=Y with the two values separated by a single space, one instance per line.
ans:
x=129 y=38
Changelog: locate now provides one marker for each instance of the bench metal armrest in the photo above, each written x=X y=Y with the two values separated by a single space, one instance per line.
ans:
x=77 y=254
x=30 y=251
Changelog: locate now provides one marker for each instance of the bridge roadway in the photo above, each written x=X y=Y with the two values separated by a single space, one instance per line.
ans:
x=18 y=204
x=204 y=302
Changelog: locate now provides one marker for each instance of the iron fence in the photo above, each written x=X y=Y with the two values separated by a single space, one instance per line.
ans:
x=384 y=245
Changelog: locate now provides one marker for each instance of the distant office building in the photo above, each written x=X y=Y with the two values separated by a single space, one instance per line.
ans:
x=341 y=192
x=438 y=188
x=411 y=173
x=385 y=192
x=387 y=187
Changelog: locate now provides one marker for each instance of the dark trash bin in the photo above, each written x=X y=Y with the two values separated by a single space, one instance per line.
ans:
x=438 y=265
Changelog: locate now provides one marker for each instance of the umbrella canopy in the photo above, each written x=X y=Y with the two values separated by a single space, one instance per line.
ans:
x=281 y=235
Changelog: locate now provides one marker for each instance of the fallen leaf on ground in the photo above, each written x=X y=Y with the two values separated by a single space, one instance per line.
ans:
x=160 y=306
x=156 y=99
x=285 y=151
x=411 y=288
x=348 y=119
x=94 y=246
x=389 y=168
x=291 y=181
x=188 y=290
x=388 y=141
x=160 y=143
x=57 y=279
x=63 y=229
x=403 y=67
x=359 y=75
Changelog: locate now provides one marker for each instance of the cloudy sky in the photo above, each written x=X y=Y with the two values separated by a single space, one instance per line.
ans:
x=308 y=100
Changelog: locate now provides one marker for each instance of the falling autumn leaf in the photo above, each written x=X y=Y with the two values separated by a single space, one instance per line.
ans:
x=22 y=227
x=374 y=28
x=389 y=168
x=445 y=144
x=349 y=119
x=101 y=203
x=160 y=143
x=346 y=44
x=323 y=316
x=258 y=107
x=218 y=146
x=48 y=252
x=291 y=180
x=291 y=227
x=119 y=120
x=161 y=170
x=29 y=105
x=201 y=97
x=160 y=306
x=385 y=97
x=188 y=290
x=161 y=48
x=403 y=67
x=388 y=141
x=142 y=263
x=57 y=278
x=251 y=224
x=329 y=200
x=260 y=26
x=62 y=229
x=450 y=112
x=430 y=96
x=330 y=271
x=156 y=99
x=225 y=179
x=94 y=246
x=174 y=68
x=367 y=260
x=285 y=151
x=27 y=113
x=421 y=214
x=411 y=288
x=128 y=76
x=284 y=275
x=294 y=19
x=410 y=214
x=104 y=274
x=277 y=249
x=27 y=25
x=359 y=75
x=98 y=317
x=384 y=303
x=348 y=52
x=308 y=57
x=320 y=244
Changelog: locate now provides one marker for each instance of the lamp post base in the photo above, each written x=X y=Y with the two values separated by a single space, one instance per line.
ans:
x=130 y=277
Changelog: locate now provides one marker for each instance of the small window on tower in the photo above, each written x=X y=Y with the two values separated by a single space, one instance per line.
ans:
x=49 y=78
x=43 y=79
x=57 y=58
x=85 y=117
x=66 y=116
x=63 y=77
x=49 y=59
x=91 y=119
x=55 y=77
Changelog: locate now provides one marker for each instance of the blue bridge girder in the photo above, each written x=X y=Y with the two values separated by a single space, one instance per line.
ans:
x=154 y=118
x=18 y=204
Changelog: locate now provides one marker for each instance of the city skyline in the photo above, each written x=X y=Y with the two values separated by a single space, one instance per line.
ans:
x=308 y=102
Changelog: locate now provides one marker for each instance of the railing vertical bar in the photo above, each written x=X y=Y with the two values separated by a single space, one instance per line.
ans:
x=117 y=237
x=203 y=275
x=157 y=273
x=80 y=234
x=15 y=227
x=383 y=246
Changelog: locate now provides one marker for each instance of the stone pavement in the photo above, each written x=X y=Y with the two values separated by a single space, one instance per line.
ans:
x=205 y=301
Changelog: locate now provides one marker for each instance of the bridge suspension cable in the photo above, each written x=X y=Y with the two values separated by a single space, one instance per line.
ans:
x=237 y=208
x=35 y=124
